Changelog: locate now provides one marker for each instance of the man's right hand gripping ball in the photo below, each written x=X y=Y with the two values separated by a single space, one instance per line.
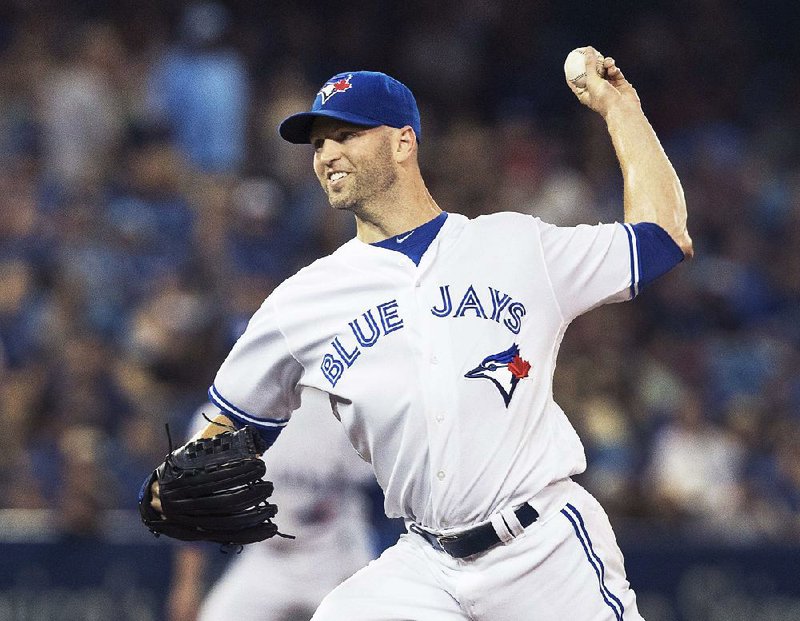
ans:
x=211 y=489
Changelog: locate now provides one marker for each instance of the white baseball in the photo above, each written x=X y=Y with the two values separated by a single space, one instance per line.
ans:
x=575 y=67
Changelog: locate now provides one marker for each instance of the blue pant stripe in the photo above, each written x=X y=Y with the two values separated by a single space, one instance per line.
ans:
x=597 y=558
x=594 y=561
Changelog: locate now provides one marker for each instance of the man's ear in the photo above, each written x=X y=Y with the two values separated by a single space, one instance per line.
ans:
x=406 y=144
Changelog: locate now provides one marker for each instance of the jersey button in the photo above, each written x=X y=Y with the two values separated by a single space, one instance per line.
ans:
x=439 y=417
x=441 y=475
x=434 y=359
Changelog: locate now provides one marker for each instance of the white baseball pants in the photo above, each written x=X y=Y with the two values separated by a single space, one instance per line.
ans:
x=565 y=566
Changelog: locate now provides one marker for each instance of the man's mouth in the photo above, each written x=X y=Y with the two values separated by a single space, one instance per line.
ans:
x=335 y=177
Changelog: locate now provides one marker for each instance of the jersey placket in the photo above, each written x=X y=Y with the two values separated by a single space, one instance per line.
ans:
x=436 y=383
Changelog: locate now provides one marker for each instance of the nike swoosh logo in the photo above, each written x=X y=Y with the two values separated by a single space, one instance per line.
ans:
x=400 y=240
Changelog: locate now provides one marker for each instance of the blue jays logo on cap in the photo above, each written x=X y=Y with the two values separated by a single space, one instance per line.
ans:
x=504 y=369
x=331 y=88
x=365 y=98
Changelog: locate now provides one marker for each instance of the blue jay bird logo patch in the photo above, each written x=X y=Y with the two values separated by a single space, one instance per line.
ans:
x=504 y=370
x=331 y=88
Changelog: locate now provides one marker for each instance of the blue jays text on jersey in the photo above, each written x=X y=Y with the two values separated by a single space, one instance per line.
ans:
x=503 y=306
x=365 y=331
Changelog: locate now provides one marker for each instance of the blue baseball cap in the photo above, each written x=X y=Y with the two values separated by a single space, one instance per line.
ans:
x=367 y=98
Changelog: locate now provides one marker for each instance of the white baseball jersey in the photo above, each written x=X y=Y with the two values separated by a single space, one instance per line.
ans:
x=441 y=372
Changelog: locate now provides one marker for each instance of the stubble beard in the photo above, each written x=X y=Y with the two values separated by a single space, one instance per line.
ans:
x=370 y=185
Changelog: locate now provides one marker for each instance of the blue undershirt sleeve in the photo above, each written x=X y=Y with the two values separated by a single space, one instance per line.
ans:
x=656 y=251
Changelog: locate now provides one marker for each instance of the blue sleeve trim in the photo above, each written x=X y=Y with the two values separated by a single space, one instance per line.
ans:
x=223 y=404
x=634 y=256
x=268 y=429
x=657 y=253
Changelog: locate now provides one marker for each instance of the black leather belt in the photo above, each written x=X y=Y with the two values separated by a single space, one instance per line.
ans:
x=474 y=540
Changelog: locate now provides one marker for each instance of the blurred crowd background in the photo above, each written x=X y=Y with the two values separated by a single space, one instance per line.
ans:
x=147 y=206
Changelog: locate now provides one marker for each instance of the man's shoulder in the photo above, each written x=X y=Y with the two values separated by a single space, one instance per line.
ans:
x=503 y=222
x=318 y=271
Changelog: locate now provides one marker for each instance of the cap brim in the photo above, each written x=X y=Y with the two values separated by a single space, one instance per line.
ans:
x=297 y=128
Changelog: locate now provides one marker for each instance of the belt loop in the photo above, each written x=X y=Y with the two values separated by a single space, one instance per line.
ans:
x=511 y=519
x=500 y=527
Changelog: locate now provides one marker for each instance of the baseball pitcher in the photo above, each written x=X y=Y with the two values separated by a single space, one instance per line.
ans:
x=436 y=337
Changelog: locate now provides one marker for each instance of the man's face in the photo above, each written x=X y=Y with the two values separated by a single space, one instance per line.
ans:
x=354 y=164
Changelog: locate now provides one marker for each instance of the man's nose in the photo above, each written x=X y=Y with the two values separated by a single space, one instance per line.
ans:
x=329 y=151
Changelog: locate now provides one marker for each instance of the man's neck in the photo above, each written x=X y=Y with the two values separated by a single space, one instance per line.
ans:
x=395 y=216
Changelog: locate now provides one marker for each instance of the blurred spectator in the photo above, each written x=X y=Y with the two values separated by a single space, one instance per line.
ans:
x=695 y=470
x=787 y=481
x=149 y=220
x=25 y=65
x=169 y=349
x=536 y=178
x=199 y=88
x=82 y=387
x=611 y=452
x=92 y=275
x=20 y=399
x=82 y=112
x=173 y=336
x=21 y=308
x=258 y=240
x=78 y=392
x=24 y=233
x=85 y=490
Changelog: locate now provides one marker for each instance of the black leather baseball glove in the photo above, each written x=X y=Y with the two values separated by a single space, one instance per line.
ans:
x=212 y=490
